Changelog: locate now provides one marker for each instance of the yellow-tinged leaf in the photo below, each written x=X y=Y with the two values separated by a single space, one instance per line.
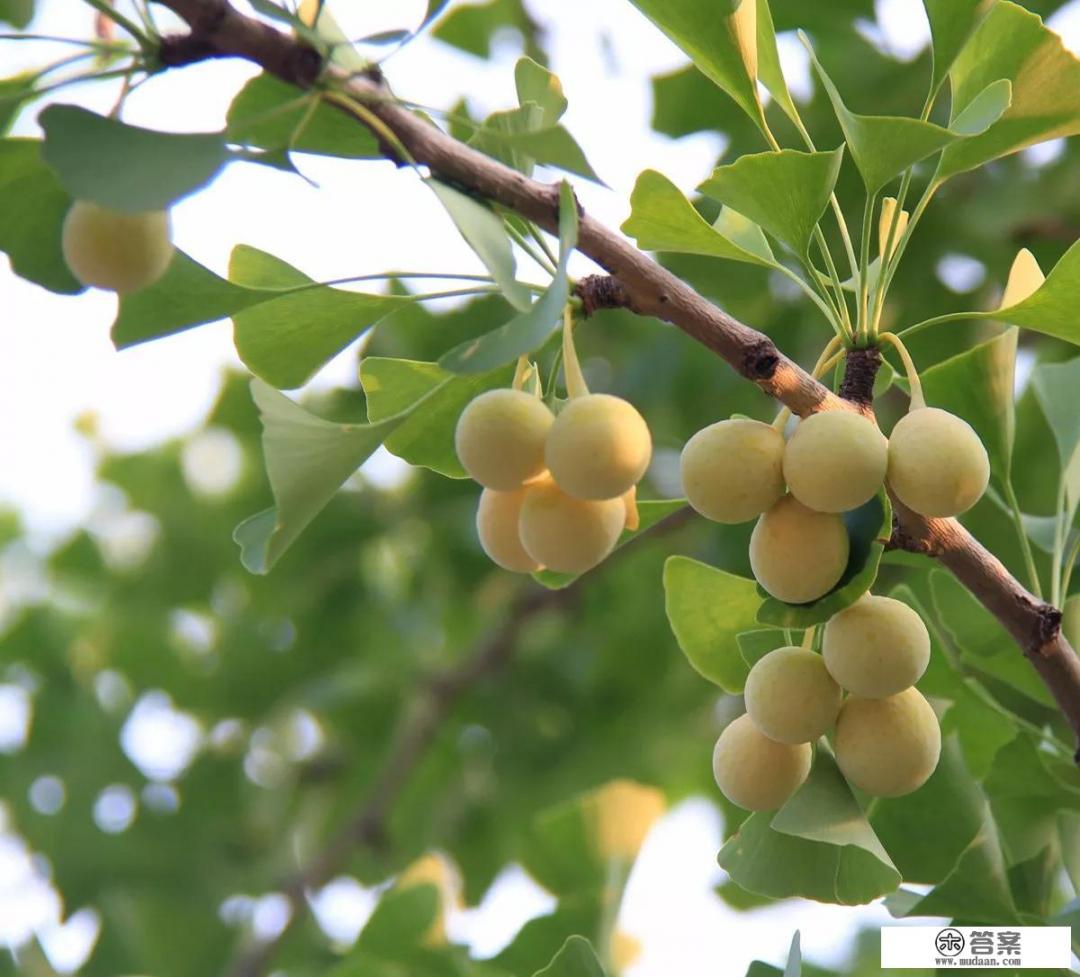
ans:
x=888 y=209
x=435 y=869
x=625 y=950
x=308 y=11
x=744 y=30
x=1025 y=277
x=622 y=812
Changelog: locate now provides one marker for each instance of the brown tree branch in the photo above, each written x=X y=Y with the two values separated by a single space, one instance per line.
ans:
x=650 y=289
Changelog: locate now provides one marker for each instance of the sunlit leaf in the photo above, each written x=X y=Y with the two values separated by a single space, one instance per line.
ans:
x=1013 y=43
x=749 y=186
x=125 y=167
x=662 y=219
x=707 y=608
x=720 y=38
x=951 y=24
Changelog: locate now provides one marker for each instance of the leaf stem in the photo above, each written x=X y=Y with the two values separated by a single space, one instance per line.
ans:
x=1025 y=543
x=1067 y=569
x=575 y=379
x=946 y=317
x=106 y=10
x=916 y=394
x=1061 y=531
x=863 y=326
x=526 y=246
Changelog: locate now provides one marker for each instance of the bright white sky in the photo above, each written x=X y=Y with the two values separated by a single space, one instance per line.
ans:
x=56 y=364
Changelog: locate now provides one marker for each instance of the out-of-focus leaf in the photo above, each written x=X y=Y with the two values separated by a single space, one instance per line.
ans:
x=650 y=512
x=749 y=187
x=977 y=385
x=1012 y=43
x=707 y=608
x=574 y=845
x=286 y=339
x=551 y=146
x=13 y=92
x=427 y=437
x=662 y=219
x=869 y=528
x=125 y=167
x=485 y=234
x=576 y=959
x=33 y=205
x=1055 y=386
x=536 y=84
x=401 y=919
x=271 y=114
x=18 y=13
x=529 y=330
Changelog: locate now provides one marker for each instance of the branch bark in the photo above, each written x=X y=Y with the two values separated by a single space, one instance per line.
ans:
x=218 y=30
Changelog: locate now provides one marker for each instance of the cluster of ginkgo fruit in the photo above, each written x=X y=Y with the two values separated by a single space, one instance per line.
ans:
x=886 y=737
x=558 y=488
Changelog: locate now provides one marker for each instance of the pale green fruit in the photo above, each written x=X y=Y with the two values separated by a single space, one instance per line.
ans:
x=731 y=470
x=798 y=555
x=876 y=647
x=114 y=250
x=835 y=461
x=497 y=525
x=1070 y=621
x=565 y=534
x=888 y=747
x=937 y=464
x=500 y=438
x=791 y=697
x=599 y=447
x=755 y=772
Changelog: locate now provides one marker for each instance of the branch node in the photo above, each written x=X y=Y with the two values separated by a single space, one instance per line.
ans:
x=760 y=360
x=601 y=292
x=860 y=370
x=926 y=545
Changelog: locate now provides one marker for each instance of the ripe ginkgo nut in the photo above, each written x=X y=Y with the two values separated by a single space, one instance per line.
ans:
x=791 y=697
x=567 y=534
x=497 y=520
x=755 y=772
x=599 y=446
x=796 y=554
x=835 y=461
x=114 y=250
x=732 y=470
x=888 y=747
x=937 y=464
x=500 y=438
x=877 y=647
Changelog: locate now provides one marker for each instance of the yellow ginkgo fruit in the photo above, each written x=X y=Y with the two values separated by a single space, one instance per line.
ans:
x=113 y=250
x=624 y=952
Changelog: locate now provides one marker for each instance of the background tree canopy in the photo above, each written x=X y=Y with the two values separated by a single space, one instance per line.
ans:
x=351 y=688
